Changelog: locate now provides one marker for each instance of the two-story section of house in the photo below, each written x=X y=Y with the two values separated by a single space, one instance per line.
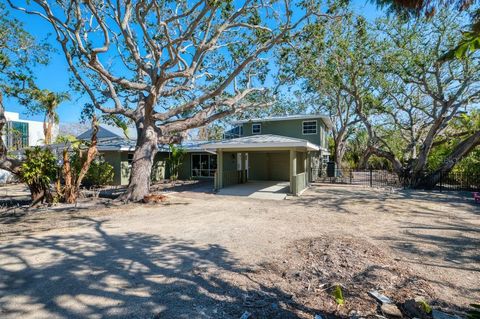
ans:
x=313 y=128
x=286 y=148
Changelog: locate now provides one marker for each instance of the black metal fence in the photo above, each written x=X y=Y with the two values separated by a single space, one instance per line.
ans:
x=457 y=181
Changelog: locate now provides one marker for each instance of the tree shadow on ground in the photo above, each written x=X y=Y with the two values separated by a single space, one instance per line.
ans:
x=457 y=245
x=449 y=247
x=348 y=198
x=133 y=275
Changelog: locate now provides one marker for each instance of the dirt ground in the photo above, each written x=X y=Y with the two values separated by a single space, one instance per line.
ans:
x=200 y=255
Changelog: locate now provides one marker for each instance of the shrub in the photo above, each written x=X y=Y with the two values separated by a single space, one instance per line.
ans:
x=175 y=160
x=100 y=173
x=38 y=170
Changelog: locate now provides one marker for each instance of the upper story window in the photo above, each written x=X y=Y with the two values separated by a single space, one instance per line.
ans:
x=309 y=127
x=235 y=132
x=256 y=128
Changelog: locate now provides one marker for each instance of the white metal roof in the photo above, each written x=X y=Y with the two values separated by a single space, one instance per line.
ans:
x=261 y=141
x=108 y=132
x=325 y=118
x=122 y=144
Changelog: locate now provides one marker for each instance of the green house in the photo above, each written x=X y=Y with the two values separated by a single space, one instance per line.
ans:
x=288 y=148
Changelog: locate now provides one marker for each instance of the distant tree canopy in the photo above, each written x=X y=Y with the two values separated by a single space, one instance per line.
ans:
x=470 y=40
x=387 y=82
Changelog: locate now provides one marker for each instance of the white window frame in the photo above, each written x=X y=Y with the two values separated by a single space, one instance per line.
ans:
x=259 y=125
x=316 y=127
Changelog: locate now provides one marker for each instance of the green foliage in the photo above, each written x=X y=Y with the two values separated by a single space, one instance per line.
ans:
x=459 y=129
x=469 y=43
x=117 y=120
x=19 y=52
x=39 y=167
x=407 y=9
x=425 y=306
x=175 y=160
x=338 y=295
x=99 y=173
x=46 y=102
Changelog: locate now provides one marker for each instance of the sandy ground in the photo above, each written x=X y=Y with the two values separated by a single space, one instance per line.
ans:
x=192 y=256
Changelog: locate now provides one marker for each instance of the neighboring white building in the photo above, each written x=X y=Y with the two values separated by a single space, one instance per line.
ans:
x=24 y=133
x=20 y=134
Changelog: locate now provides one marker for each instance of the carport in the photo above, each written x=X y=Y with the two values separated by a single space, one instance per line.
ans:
x=262 y=158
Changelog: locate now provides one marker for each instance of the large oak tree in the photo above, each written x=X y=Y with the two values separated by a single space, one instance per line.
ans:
x=424 y=94
x=318 y=61
x=169 y=66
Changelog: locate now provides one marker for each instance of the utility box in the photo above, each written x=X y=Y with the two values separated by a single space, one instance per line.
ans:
x=331 y=169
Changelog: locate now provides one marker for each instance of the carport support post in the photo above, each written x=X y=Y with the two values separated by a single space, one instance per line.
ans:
x=244 y=167
x=305 y=168
x=293 y=170
x=219 y=169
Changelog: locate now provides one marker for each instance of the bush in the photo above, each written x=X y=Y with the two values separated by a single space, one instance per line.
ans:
x=38 y=171
x=100 y=173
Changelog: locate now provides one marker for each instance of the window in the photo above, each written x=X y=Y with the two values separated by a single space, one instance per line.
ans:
x=309 y=127
x=17 y=135
x=256 y=128
x=130 y=159
x=234 y=132
x=204 y=165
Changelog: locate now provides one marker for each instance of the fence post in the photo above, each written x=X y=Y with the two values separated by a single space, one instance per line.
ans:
x=371 y=177
x=441 y=181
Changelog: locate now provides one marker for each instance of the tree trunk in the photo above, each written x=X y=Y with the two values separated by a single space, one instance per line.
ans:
x=91 y=154
x=12 y=165
x=72 y=183
x=40 y=194
x=363 y=160
x=37 y=194
x=340 y=147
x=463 y=149
x=141 y=170
x=47 y=128
x=421 y=161
x=68 y=193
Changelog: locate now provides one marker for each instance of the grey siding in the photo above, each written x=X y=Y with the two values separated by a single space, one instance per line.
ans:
x=113 y=158
x=273 y=166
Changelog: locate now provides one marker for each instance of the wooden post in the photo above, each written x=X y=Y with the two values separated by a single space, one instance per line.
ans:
x=305 y=168
x=293 y=169
x=244 y=167
x=219 y=169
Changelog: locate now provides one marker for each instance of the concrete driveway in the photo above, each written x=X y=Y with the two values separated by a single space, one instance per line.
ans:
x=258 y=189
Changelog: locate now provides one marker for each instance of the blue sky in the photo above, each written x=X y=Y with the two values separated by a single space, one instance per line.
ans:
x=55 y=76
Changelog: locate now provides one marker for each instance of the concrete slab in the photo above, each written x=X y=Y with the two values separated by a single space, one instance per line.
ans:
x=258 y=189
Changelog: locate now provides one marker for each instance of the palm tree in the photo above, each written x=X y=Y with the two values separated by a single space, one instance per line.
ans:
x=47 y=103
